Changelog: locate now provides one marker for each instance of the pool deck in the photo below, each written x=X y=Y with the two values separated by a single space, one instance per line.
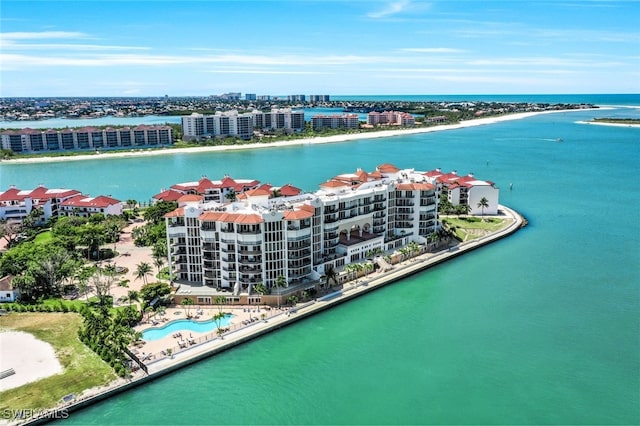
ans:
x=207 y=345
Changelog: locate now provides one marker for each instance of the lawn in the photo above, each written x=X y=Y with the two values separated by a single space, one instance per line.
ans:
x=468 y=228
x=82 y=369
x=43 y=237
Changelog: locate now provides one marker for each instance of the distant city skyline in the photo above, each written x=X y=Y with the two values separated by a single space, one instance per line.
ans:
x=274 y=47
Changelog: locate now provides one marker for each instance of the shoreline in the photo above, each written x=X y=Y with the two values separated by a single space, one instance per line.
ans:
x=349 y=291
x=296 y=142
x=601 y=123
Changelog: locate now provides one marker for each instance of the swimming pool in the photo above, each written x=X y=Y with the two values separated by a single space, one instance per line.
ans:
x=156 y=333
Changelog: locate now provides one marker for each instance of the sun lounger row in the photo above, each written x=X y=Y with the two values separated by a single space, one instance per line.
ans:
x=249 y=321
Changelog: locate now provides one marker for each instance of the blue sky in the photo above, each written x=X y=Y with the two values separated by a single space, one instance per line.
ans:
x=198 y=48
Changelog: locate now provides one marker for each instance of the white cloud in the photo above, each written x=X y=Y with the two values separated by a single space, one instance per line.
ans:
x=58 y=46
x=41 y=35
x=263 y=71
x=397 y=7
x=17 y=61
x=431 y=50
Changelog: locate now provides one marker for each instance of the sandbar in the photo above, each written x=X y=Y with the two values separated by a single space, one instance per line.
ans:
x=601 y=123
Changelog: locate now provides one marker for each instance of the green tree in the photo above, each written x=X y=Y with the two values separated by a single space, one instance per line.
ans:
x=152 y=291
x=92 y=236
x=483 y=204
x=142 y=270
x=331 y=275
x=133 y=296
x=187 y=303
x=280 y=283
x=155 y=213
x=217 y=319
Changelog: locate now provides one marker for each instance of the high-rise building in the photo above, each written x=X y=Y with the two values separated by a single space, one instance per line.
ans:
x=265 y=234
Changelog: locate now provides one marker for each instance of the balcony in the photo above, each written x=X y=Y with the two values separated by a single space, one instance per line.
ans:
x=250 y=260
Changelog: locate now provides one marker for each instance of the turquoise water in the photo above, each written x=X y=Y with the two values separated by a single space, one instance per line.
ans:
x=156 y=333
x=540 y=328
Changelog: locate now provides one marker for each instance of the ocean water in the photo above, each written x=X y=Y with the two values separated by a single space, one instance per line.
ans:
x=540 y=328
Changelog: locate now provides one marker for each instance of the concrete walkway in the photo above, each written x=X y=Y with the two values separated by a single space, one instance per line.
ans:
x=160 y=367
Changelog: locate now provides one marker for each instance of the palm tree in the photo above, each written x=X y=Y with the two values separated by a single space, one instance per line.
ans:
x=260 y=288
x=331 y=274
x=280 y=282
x=483 y=204
x=158 y=261
x=143 y=269
x=404 y=251
x=414 y=248
x=133 y=296
x=187 y=302
x=217 y=318
x=368 y=268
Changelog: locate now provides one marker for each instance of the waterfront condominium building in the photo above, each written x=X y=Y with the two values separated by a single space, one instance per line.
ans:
x=31 y=140
x=335 y=121
x=231 y=123
x=393 y=118
x=16 y=204
x=467 y=191
x=263 y=235
x=219 y=191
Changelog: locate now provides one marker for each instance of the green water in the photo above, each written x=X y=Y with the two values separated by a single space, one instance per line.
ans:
x=540 y=328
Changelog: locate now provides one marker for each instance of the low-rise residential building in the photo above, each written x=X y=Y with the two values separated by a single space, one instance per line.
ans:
x=467 y=191
x=85 y=206
x=390 y=118
x=86 y=138
x=16 y=204
x=219 y=191
x=7 y=292
x=233 y=246
x=335 y=121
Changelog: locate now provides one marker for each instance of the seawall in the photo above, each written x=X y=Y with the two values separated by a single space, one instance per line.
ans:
x=362 y=286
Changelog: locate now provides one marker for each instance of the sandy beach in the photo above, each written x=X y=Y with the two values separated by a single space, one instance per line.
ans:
x=30 y=358
x=302 y=141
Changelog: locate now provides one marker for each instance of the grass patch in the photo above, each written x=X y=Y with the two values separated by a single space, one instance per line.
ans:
x=43 y=237
x=82 y=369
x=468 y=228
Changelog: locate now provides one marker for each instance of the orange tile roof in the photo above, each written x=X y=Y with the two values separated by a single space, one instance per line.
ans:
x=387 y=168
x=415 y=187
x=297 y=214
x=333 y=184
x=257 y=192
x=80 y=200
x=168 y=195
x=289 y=190
x=250 y=218
x=179 y=212
x=189 y=197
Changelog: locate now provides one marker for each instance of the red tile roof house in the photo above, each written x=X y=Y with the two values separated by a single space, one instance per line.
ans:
x=216 y=190
x=17 y=204
x=467 y=190
x=84 y=206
